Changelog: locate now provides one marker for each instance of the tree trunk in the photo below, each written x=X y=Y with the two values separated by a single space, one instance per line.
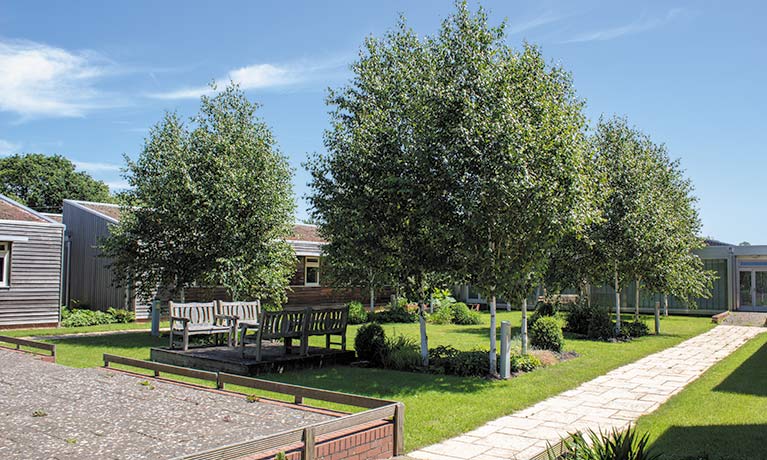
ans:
x=617 y=305
x=636 y=301
x=657 y=318
x=431 y=303
x=493 y=346
x=372 y=298
x=424 y=338
x=588 y=295
x=665 y=304
x=524 y=325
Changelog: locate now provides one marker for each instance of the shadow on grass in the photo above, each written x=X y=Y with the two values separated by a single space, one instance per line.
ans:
x=138 y=340
x=714 y=442
x=750 y=378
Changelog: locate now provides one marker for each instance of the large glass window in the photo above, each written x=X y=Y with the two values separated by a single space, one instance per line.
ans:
x=745 y=288
x=5 y=264
x=312 y=271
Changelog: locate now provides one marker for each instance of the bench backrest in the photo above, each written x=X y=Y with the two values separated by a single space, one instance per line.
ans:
x=196 y=312
x=331 y=320
x=244 y=311
x=282 y=324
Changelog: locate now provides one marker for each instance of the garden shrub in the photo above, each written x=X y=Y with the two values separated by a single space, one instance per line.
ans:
x=370 y=343
x=601 y=326
x=546 y=333
x=463 y=316
x=634 y=329
x=402 y=354
x=83 y=317
x=443 y=315
x=608 y=445
x=578 y=318
x=396 y=315
x=524 y=363
x=543 y=309
x=357 y=313
x=121 y=315
x=448 y=360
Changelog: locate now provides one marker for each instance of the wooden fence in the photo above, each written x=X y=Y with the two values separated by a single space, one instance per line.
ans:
x=377 y=409
x=45 y=347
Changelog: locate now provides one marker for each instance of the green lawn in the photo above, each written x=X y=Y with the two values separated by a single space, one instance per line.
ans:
x=722 y=415
x=39 y=332
x=437 y=407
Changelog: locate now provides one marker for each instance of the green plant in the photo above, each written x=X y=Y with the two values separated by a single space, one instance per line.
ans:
x=83 y=317
x=402 y=354
x=448 y=360
x=280 y=456
x=546 y=333
x=443 y=315
x=71 y=440
x=120 y=315
x=612 y=445
x=524 y=363
x=578 y=318
x=370 y=343
x=252 y=398
x=601 y=326
x=396 y=315
x=462 y=315
x=543 y=309
x=39 y=413
x=634 y=329
x=357 y=313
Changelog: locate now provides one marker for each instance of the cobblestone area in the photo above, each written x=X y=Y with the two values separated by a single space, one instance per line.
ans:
x=56 y=412
x=613 y=400
x=744 y=318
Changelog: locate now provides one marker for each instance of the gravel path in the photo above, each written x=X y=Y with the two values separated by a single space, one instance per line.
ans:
x=98 y=414
x=613 y=400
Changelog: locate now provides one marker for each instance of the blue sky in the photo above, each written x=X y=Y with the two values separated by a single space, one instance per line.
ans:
x=87 y=79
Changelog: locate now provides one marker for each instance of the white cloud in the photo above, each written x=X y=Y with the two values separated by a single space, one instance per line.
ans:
x=640 y=25
x=548 y=17
x=117 y=185
x=8 y=147
x=40 y=80
x=96 y=166
x=258 y=76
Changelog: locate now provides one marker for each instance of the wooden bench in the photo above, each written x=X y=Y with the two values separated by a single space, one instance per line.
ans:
x=282 y=324
x=329 y=322
x=198 y=319
x=245 y=314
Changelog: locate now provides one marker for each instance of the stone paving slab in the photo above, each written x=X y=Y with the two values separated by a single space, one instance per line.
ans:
x=100 y=414
x=613 y=400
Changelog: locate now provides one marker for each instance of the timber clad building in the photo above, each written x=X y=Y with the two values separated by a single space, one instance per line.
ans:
x=92 y=283
x=31 y=268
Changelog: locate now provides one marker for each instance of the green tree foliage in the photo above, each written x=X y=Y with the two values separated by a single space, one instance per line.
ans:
x=43 y=182
x=650 y=225
x=210 y=202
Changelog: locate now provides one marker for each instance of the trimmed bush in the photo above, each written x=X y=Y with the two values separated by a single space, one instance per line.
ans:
x=463 y=316
x=448 y=360
x=84 y=317
x=370 y=343
x=578 y=318
x=524 y=363
x=542 y=310
x=634 y=329
x=121 y=315
x=444 y=315
x=357 y=313
x=546 y=333
x=395 y=315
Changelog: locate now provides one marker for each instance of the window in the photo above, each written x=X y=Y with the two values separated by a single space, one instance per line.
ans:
x=5 y=264
x=312 y=271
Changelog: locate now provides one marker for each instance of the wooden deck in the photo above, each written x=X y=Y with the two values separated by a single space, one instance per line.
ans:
x=229 y=360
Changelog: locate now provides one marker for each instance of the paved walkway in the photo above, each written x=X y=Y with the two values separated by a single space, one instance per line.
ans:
x=613 y=400
x=48 y=411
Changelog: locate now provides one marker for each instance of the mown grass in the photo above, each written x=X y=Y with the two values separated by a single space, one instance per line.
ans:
x=437 y=406
x=41 y=332
x=722 y=415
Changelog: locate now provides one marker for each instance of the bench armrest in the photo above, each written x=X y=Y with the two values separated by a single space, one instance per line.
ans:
x=184 y=321
x=229 y=319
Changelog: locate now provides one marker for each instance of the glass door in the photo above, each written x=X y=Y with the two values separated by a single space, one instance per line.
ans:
x=760 y=289
x=746 y=299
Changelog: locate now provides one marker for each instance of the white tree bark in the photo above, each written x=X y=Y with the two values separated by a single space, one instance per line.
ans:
x=665 y=304
x=372 y=298
x=617 y=305
x=493 y=345
x=657 y=318
x=636 y=301
x=524 y=326
x=424 y=338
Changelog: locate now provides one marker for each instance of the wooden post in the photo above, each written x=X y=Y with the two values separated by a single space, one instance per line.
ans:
x=298 y=399
x=505 y=349
x=657 y=318
x=155 y=318
x=308 y=453
x=523 y=329
x=399 y=429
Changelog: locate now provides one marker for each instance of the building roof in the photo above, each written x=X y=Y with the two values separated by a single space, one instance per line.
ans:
x=713 y=242
x=56 y=217
x=301 y=232
x=13 y=210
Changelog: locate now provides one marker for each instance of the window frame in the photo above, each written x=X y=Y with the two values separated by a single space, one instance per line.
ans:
x=311 y=262
x=5 y=253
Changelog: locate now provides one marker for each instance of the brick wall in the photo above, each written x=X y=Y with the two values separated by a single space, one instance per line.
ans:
x=371 y=441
